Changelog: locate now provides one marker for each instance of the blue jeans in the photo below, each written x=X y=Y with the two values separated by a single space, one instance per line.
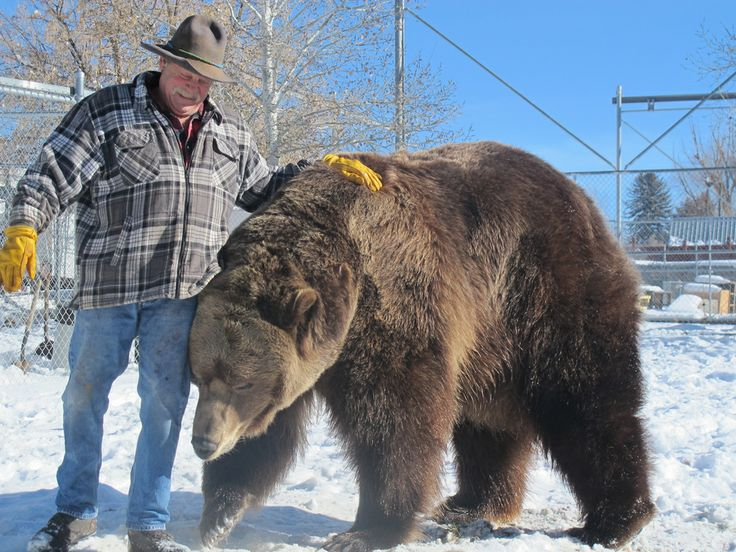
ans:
x=98 y=354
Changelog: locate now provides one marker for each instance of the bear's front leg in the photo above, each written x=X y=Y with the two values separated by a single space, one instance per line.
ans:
x=395 y=433
x=373 y=537
x=364 y=541
x=390 y=499
x=244 y=477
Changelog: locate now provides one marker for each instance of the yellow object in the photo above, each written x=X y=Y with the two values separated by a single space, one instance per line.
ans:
x=17 y=255
x=355 y=171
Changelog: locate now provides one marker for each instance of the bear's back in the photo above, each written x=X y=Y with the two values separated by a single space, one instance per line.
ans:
x=473 y=205
x=460 y=238
x=476 y=235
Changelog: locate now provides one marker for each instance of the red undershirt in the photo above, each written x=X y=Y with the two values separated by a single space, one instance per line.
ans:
x=187 y=132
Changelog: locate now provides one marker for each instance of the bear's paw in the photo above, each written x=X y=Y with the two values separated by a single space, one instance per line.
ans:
x=219 y=517
x=349 y=541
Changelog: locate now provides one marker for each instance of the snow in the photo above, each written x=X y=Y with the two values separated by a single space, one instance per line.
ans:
x=711 y=279
x=685 y=307
x=690 y=412
x=701 y=289
x=651 y=289
x=686 y=303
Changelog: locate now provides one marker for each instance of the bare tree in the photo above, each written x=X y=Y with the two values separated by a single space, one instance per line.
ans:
x=49 y=40
x=712 y=191
x=319 y=74
x=313 y=75
x=698 y=206
x=717 y=55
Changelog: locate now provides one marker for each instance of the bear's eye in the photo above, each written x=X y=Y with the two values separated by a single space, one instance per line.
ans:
x=242 y=386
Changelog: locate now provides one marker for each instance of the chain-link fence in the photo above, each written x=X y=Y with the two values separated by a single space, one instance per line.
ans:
x=37 y=318
x=693 y=256
x=689 y=253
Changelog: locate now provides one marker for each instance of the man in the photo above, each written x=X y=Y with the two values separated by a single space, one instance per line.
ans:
x=155 y=168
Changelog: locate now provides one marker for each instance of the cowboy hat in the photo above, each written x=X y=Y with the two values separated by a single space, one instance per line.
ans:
x=198 y=45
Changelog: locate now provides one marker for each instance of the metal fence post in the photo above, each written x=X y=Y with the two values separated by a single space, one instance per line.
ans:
x=79 y=85
x=619 y=199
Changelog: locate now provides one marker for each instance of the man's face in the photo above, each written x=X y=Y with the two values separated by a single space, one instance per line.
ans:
x=181 y=91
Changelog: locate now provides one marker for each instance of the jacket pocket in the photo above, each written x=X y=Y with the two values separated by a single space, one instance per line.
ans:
x=122 y=241
x=225 y=160
x=137 y=156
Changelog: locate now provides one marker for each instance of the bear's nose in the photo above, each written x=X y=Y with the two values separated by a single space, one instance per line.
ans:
x=203 y=447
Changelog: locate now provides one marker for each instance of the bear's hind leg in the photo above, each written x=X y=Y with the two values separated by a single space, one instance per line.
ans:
x=603 y=457
x=245 y=476
x=491 y=474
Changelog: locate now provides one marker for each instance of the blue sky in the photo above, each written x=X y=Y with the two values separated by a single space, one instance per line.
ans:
x=568 y=57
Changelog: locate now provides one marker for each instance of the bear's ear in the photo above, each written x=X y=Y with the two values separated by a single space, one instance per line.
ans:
x=298 y=314
x=303 y=318
x=344 y=274
x=342 y=295
x=302 y=303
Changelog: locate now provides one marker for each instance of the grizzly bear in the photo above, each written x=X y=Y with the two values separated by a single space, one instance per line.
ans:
x=477 y=299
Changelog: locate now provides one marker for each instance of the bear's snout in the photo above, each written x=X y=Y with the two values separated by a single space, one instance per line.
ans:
x=203 y=447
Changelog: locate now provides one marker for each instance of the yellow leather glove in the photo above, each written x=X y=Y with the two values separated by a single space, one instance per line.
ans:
x=355 y=171
x=17 y=255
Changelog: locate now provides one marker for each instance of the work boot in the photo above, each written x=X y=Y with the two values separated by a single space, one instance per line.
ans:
x=61 y=532
x=153 y=541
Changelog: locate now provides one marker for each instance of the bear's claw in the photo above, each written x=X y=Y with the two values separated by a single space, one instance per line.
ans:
x=349 y=541
x=212 y=535
x=454 y=512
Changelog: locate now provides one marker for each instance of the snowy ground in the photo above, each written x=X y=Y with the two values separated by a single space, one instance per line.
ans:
x=691 y=415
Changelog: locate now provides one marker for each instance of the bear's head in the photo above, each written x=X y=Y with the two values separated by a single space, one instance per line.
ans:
x=261 y=337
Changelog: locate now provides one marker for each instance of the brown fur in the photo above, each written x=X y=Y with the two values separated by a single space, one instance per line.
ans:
x=477 y=298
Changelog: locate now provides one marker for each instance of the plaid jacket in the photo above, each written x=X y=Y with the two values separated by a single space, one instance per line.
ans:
x=147 y=228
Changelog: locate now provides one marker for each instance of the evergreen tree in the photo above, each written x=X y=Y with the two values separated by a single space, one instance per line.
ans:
x=649 y=202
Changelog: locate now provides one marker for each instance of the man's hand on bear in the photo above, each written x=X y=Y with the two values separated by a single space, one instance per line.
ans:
x=355 y=171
